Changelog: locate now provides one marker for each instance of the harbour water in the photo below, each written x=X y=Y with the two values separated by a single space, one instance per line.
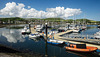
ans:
x=14 y=39
x=90 y=31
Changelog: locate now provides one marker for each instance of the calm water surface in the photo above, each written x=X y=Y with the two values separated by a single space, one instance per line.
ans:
x=13 y=38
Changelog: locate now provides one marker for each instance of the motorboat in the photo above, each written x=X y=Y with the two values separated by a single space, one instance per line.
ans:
x=56 y=42
x=80 y=48
x=83 y=27
x=76 y=30
x=35 y=35
x=97 y=35
x=62 y=29
x=26 y=30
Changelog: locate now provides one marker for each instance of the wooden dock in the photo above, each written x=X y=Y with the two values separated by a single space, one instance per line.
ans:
x=58 y=37
x=33 y=31
x=71 y=40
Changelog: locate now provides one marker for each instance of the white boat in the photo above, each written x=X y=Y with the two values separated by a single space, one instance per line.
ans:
x=56 y=42
x=35 y=35
x=39 y=28
x=97 y=33
x=62 y=29
x=76 y=30
x=97 y=36
x=71 y=27
x=84 y=27
x=26 y=30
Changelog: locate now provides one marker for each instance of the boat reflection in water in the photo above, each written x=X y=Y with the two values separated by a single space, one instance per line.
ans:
x=35 y=39
x=13 y=38
x=83 y=54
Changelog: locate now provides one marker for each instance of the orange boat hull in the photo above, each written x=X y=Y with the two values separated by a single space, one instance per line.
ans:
x=88 y=49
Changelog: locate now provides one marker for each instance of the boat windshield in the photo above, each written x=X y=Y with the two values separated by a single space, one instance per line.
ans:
x=82 y=46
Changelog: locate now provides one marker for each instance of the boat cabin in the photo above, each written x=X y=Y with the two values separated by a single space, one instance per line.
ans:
x=82 y=46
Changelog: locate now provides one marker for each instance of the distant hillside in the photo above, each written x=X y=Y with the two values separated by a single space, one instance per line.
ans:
x=86 y=20
x=54 y=19
x=50 y=20
x=12 y=19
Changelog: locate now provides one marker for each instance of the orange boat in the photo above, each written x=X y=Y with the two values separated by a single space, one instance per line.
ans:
x=80 y=48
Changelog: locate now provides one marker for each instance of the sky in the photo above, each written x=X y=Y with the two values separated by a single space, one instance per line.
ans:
x=66 y=9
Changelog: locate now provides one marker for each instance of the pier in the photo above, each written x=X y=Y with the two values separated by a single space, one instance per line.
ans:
x=88 y=42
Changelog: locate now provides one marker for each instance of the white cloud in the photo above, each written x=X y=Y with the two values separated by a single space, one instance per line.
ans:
x=13 y=36
x=29 y=6
x=13 y=9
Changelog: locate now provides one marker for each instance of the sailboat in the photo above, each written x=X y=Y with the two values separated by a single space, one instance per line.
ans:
x=76 y=28
x=39 y=28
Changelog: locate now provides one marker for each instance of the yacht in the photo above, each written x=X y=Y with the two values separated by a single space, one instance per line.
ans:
x=75 y=28
x=62 y=29
x=84 y=27
x=26 y=30
x=97 y=35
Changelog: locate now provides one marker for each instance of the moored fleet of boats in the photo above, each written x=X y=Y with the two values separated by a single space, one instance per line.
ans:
x=71 y=47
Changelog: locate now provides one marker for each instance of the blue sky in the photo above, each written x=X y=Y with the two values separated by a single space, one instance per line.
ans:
x=90 y=8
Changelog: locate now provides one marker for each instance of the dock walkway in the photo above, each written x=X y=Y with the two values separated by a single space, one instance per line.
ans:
x=88 y=42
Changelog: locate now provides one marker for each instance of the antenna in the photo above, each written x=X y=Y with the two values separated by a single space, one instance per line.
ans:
x=84 y=21
x=74 y=19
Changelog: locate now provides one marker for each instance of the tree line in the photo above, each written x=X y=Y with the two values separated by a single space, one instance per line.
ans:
x=87 y=21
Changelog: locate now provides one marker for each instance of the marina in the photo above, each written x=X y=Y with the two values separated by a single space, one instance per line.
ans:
x=50 y=28
x=32 y=42
x=76 y=38
x=27 y=45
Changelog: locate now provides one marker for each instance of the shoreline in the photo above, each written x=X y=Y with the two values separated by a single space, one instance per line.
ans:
x=4 y=25
x=10 y=52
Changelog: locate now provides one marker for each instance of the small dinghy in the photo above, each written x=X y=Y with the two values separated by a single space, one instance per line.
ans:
x=80 y=48
x=56 y=42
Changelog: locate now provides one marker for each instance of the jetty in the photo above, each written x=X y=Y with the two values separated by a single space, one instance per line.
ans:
x=88 y=42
